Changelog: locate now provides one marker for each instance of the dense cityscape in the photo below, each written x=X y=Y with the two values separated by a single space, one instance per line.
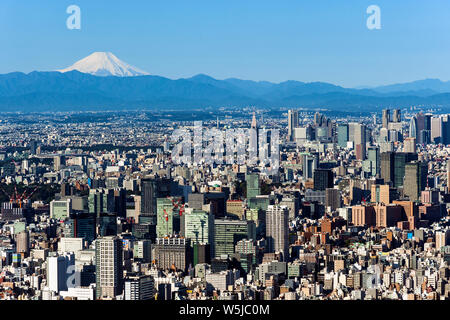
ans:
x=95 y=207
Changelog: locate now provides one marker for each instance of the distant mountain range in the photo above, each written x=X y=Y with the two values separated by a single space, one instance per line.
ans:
x=107 y=83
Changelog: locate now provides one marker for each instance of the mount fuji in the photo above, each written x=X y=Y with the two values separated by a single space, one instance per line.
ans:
x=105 y=64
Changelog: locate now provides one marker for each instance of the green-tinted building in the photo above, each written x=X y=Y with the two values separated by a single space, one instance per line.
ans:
x=199 y=226
x=101 y=201
x=19 y=226
x=295 y=269
x=400 y=160
x=60 y=209
x=253 y=188
x=342 y=135
x=229 y=232
x=415 y=179
x=373 y=156
x=168 y=217
x=95 y=202
x=259 y=203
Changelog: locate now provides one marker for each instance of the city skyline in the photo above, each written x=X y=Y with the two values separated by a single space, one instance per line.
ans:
x=146 y=167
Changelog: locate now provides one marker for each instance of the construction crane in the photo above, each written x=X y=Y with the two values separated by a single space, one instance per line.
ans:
x=16 y=198
x=178 y=205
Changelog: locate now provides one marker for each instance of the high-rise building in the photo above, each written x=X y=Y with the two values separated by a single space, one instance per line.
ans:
x=253 y=188
x=445 y=130
x=82 y=225
x=139 y=287
x=386 y=118
x=101 y=201
x=33 y=147
x=415 y=179
x=442 y=238
x=109 y=267
x=120 y=201
x=277 y=230
x=58 y=271
x=381 y=193
x=413 y=128
x=248 y=247
x=253 y=124
x=23 y=243
x=363 y=216
x=235 y=208
x=397 y=117
x=332 y=198
x=387 y=167
x=310 y=162
x=387 y=215
x=201 y=253
x=436 y=129
x=228 y=232
x=410 y=145
x=342 y=135
x=357 y=134
x=323 y=178
x=172 y=253
x=151 y=190
x=373 y=159
x=168 y=211
x=400 y=160
x=142 y=250
x=199 y=226
x=292 y=123
x=420 y=124
x=58 y=162
x=60 y=209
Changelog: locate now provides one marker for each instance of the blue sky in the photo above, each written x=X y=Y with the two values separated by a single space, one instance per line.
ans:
x=320 y=40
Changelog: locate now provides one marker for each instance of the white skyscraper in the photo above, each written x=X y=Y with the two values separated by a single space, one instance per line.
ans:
x=109 y=268
x=277 y=229
x=59 y=270
x=442 y=238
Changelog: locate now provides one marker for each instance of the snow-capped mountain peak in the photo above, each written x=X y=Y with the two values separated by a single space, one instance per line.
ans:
x=105 y=64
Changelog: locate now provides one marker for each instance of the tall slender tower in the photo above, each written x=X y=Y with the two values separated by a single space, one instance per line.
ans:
x=413 y=127
x=386 y=118
x=397 y=116
x=109 y=268
x=254 y=121
x=277 y=229
x=292 y=123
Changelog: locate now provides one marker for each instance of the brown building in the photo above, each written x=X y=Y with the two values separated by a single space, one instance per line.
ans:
x=326 y=225
x=409 y=207
x=380 y=194
x=23 y=243
x=172 y=253
x=388 y=215
x=429 y=212
x=235 y=208
x=363 y=216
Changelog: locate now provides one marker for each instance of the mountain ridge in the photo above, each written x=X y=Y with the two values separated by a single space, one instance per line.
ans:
x=52 y=90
